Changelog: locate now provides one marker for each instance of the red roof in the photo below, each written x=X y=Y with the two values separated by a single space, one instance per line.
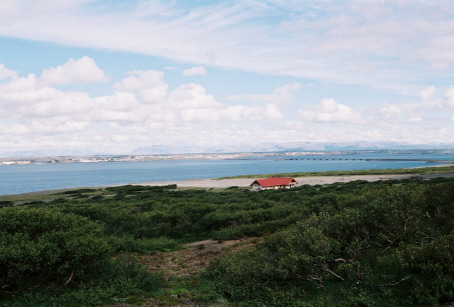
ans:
x=271 y=182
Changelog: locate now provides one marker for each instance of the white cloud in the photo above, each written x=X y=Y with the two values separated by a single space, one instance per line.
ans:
x=431 y=104
x=119 y=107
x=281 y=95
x=194 y=71
x=378 y=43
x=119 y=101
x=22 y=99
x=450 y=96
x=329 y=111
x=6 y=73
x=141 y=109
x=414 y=119
x=390 y=111
x=195 y=105
x=426 y=93
x=149 y=84
x=83 y=70
x=243 y=113
x=191 y=96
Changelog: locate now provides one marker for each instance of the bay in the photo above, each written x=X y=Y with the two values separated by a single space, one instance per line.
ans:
x=15 y=179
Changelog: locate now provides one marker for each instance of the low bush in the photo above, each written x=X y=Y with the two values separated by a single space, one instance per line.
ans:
x=387 y=246
x=144 y=246
x=48 y=257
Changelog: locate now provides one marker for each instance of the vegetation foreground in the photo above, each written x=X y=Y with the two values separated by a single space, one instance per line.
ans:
x=359 y=243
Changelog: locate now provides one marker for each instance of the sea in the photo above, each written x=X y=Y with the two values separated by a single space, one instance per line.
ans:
x=17 y=179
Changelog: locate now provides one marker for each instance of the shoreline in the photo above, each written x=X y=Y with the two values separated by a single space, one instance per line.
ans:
x=218 y=183
x=313 y=180
x=309 y=180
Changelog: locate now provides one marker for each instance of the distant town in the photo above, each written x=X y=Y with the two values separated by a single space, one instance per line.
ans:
x=138 y=158
x=199 y=156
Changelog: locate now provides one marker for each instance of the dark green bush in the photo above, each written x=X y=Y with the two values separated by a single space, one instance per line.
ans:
x=43 y=246
x=51 y=258
x=144 y=246
x=6 y=203
x=387 y=246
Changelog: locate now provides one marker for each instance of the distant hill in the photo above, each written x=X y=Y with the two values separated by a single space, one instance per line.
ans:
x=289 y=146
x=263 y=147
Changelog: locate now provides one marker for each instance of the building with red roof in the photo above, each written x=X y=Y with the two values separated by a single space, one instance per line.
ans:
x=273 y=183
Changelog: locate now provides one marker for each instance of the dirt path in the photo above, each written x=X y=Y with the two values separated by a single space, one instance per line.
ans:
x=193 y=257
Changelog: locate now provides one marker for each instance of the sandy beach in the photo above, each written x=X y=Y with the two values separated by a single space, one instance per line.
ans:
x=225 y=183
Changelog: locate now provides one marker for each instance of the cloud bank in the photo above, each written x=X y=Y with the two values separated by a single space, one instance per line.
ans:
x=141 y=109
x=194 y=71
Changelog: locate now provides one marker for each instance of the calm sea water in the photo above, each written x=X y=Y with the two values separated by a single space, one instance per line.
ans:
x=16 y=179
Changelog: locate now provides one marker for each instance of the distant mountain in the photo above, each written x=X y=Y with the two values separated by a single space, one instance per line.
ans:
x=298 y=146
x=289 y=146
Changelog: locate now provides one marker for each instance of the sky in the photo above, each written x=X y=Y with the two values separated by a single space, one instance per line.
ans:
x=107 y=77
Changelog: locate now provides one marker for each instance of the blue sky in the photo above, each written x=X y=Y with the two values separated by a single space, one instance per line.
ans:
x=83 y=76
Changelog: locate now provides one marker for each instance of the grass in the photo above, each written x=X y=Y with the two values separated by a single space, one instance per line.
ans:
x=192 y=290
x=400 y=171
x=50 y=195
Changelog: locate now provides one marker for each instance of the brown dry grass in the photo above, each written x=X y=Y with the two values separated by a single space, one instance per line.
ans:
x=193 y=257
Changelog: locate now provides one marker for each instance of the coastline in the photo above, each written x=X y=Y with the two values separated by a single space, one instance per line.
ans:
x=222 y=183
x=243 y=183
x=309 y=180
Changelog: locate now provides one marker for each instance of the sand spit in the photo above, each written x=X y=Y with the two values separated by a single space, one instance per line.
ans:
x=225 y=183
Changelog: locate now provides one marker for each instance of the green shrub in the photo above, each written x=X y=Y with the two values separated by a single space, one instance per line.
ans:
x=6 y=203
x=110 y=281
x=51 y=258
x=144 y=246
x=43 y=247
x=387 y=246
